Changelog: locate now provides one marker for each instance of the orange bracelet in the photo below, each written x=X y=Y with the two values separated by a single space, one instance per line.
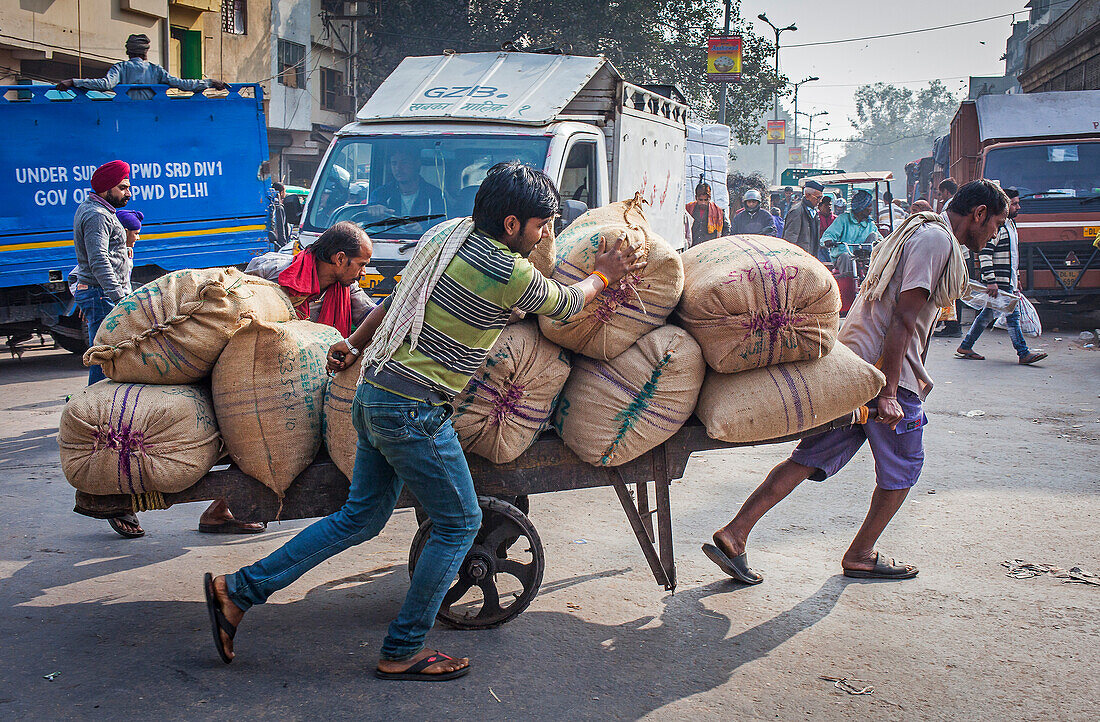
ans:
x=602 y=277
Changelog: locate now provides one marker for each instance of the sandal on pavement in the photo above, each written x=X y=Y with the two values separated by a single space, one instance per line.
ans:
x=1032 y=358
x=125 y=525
x=969 y=355
x=884 y=570
x=737 y=567
x=416 y=673
x=218 y=622
x=234 y=526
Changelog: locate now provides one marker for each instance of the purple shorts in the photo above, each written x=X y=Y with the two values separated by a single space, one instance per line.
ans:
x=899 y=453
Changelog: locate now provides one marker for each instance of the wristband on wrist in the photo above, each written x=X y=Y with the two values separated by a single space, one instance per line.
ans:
x=351 y=348
x=602 y=277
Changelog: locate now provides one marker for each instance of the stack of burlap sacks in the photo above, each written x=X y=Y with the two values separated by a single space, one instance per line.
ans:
x=762 y=314
x=200 y=363
x=766 y=314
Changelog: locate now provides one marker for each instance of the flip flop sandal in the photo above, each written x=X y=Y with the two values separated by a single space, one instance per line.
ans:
x=123 y=531
x=884 y=570
x=969 y=356
x=1032 y=357
x=234 y=526
x=218 y=622
x=416 y=673
x=737 y=567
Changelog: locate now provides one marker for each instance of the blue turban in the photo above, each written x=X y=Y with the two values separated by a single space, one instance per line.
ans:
x=130 y=220
x=861 y=201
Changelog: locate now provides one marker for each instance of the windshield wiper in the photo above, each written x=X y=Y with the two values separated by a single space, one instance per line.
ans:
x=400 y=220
x=1090 y=199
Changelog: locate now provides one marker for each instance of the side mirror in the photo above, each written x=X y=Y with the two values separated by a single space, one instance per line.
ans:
x=571 y=211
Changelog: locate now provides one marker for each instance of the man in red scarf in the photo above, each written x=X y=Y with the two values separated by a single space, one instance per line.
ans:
x=323 y=280
x=707 y=219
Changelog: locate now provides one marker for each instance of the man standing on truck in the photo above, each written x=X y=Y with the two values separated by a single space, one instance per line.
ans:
x=999 y=262
x=913 y=273
x=138 y=71
x=421 y=346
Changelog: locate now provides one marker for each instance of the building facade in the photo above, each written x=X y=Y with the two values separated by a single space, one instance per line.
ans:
x=1065 y=53
x=296 y=49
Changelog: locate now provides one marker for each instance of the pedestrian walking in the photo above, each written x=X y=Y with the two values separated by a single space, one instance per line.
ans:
x=138 y=71
x=801 y=226
x=999 y=262
x=278 y=230
x=707 y=219
x=826 y=217
x=419 y=349
x=913 y=273
x=777 y=218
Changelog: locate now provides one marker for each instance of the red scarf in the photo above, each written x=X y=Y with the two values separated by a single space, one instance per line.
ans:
x=300 y=278
x=714 y=215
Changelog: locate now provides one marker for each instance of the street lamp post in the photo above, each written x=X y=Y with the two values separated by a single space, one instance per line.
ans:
x=725 y=85
x=775 y=147
x=810 y=79
x=815 y=140
x=811 y=116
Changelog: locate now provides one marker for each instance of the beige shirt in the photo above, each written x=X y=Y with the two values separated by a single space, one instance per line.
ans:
x=923 y=262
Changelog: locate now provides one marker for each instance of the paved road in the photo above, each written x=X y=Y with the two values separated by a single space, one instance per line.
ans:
x=123 y=624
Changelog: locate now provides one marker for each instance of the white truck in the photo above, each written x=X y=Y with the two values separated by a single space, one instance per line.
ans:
x=422 y=143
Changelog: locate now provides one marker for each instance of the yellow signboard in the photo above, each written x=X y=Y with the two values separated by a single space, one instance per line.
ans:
x=724 y=59
x=777 y=132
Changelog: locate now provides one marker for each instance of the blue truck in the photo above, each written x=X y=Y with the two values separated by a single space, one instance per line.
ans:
x=198 y=174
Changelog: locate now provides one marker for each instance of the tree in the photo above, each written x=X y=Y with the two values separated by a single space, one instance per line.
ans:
x=896 y=125
x=648 y=41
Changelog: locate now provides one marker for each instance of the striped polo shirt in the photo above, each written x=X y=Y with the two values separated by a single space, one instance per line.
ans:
x=469 y=307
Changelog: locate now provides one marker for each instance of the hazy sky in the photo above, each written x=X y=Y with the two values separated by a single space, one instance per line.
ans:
x=951 y=55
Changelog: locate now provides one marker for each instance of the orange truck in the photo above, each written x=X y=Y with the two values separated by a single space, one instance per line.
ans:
x=1047 y=146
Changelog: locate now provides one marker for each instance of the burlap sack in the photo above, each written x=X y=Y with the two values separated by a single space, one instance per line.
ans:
x=341 y=437
x=617 y=317
x=777 y=401
x=511 y=399
x=614 y=411
x=170 y=331
x=542 y=257
x=138 y=438
x=269 y=392
x=753 y=301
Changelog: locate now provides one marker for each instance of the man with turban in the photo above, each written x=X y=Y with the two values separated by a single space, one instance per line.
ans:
x=138 y=71
x=852 y=228
x=801 y=226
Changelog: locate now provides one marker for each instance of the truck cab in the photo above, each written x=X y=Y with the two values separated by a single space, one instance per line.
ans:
x=422 y=144
x=1046 y=146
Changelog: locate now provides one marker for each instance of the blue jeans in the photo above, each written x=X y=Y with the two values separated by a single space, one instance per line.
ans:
x=1012 y=321
x=400 y=442
x=93 y=303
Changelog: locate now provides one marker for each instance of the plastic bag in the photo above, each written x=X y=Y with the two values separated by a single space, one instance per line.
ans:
x=978 y=298
x=1030 y=324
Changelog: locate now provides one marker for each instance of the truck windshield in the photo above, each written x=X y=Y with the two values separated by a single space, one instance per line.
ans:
x=368 y=179
x=1047 y=172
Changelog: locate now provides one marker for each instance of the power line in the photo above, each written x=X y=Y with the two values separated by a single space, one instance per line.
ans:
x=921 y=30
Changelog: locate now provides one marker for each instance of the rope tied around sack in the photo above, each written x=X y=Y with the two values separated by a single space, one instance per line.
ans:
x=124 y=440
x=209 y=288
x=769 y=321
x=147 y=501
x=502 y=403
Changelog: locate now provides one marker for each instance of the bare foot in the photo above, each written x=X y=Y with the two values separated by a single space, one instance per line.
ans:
x=232 y=612
x=730 y=542
x=441 y=667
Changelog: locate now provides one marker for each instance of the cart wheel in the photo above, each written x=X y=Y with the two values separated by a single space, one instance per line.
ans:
x=521 y=502
x=501 y=574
